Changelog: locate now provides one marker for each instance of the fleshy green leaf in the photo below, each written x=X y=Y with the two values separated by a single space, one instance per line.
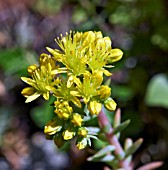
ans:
x=157 y=91
x=16 y=60
x=121 y=127
x=106 y=158
x=102 y=152
x=133 y=148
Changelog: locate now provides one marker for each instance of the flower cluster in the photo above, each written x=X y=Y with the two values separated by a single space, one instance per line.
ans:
x=82 y=60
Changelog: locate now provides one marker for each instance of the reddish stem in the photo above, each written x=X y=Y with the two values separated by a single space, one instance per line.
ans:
x=113 y=140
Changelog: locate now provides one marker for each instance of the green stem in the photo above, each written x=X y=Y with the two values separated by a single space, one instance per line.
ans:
x=113 y=140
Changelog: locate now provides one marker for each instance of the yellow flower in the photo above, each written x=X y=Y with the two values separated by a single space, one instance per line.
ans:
x=77 y=119
x=68 y=134
x=82 y=132
x=80 y=50
x=88 y=88
x=94 y=107
x=41 y=78
x=52 y=127
x=110 y=104
x=73 y=54
x=38 y=84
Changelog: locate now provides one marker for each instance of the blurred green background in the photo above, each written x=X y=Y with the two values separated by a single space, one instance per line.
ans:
x=139 y=81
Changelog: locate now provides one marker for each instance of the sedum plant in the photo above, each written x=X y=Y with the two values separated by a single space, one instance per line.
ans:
x=74 y=75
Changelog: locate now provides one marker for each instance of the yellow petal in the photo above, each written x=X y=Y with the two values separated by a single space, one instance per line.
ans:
x=106 y=72
x=98 y=34
x=70 y=81
x=28 y=81
x=100 y=44
x=107 y=42
x=46 y=95
x=32 y=97
x=56 y=53
x=76 y=101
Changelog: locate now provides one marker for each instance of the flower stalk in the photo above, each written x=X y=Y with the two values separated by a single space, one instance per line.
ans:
x=113 y=140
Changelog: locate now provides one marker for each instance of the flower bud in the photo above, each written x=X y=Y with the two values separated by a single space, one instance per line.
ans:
x=51 y=127
x=82 y=144
x=82 y=132
x=68 y=134
x=94 y=107
x=105 y=92
x=77 y=119
x=114 y=55
x=110 y=104
x=28 y=91
x=63 y=110
x=31 y=68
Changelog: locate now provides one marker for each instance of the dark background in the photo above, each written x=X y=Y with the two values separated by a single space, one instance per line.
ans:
x=139 y=84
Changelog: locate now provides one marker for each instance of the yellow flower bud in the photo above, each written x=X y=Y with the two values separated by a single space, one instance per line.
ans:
x=51 y=127
x=105 y=92
x=82 y=144
x=82 y=132
x=77 y=119
x=62 y=115
x=67 y=134
x=31 y=68
x=114 y=55
x=28 y=91
x=63 y=110
x=110 y=104
x=94 y=107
